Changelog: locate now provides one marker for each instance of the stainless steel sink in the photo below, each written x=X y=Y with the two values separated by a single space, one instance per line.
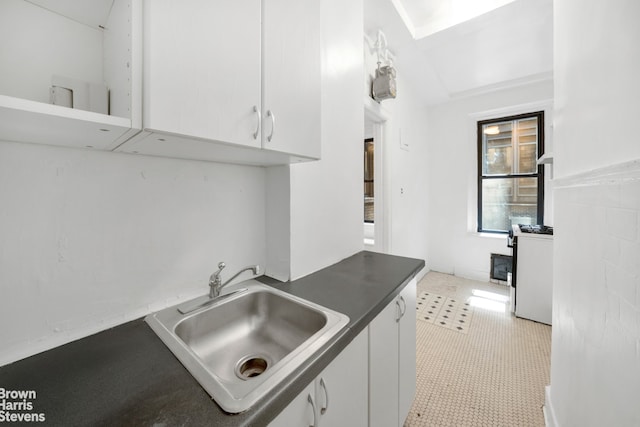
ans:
x=241 y=346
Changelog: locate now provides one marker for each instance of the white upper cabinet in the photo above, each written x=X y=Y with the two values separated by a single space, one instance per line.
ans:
x=202 y=69
x=291 y=76
x=235 y=81
x=88 y=52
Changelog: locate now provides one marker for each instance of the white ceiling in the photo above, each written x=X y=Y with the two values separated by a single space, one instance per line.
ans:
x=425 y=17
x=444 y=55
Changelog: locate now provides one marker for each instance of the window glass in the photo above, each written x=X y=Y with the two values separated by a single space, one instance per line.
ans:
x=509 y=179
x=508 y=201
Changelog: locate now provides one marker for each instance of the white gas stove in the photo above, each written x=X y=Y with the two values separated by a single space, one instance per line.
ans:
x=532 y=277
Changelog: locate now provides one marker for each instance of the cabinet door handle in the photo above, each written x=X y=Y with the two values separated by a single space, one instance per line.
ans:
x=313 y=408
x=402 y=309
x=326 y=397
x=273 y=124
x=257 y=132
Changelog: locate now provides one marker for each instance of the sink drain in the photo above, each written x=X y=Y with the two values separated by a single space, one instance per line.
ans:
x=251 y=367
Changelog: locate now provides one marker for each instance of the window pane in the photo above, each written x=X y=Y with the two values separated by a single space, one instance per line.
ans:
x=510 y=147
x=498 y=159
x=528 y=157
x=498 y=148
x=527 y=145
x=507 y=201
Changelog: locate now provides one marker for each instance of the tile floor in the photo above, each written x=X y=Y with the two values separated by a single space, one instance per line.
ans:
x=446 y=312
x=490 y=373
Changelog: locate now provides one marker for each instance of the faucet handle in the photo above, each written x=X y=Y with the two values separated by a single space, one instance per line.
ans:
x=215 y=277
x=215 y=282
x=221 y=266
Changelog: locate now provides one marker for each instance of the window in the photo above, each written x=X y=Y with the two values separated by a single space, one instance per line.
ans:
x=510 y=182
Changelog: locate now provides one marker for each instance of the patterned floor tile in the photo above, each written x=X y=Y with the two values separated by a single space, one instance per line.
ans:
x=492 y=372
x=446 y=312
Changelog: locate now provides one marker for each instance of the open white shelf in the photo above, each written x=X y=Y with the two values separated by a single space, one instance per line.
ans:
x=92 y=41
x=22 y=120
x=546 y=159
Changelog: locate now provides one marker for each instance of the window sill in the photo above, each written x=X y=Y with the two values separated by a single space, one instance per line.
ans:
x=489 y=235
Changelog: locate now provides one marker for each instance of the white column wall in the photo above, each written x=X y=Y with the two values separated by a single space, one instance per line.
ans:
x=595 y=355
x=326 y=196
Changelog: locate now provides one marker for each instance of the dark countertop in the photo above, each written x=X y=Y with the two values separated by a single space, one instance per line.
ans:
x=127 y=376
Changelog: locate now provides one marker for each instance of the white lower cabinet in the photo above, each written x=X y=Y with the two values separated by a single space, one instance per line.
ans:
x=407 y=353
x=337 y=397
x=372 y=382
x=300 y=411
x=392 y=360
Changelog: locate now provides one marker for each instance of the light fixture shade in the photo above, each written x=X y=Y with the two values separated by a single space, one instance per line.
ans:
x=384 y=84
x=491 y=130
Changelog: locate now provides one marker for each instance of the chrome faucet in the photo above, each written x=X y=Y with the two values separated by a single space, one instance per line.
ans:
x=215 y=281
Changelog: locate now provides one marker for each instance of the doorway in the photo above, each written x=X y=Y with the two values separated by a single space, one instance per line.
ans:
x=375 y=216
x=369 y=190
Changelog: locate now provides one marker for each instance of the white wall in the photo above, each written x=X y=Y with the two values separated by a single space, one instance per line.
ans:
x=93 y=239
x=326 y=196
x=454 y=245
x=408 y=191
x=404 y=141
x=29 y=76
x=595 y=356
x=278 y=221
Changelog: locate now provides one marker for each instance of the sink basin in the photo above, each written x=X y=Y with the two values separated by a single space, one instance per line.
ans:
x=240 y=346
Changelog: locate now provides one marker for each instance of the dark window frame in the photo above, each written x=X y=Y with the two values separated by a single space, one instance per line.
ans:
x=539 y=174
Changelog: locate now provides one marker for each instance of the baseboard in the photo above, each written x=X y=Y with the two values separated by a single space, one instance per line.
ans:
x=420 y=275
x=477 y=275
x=549 y=414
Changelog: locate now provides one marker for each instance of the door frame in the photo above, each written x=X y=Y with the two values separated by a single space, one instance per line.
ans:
x=376 y=114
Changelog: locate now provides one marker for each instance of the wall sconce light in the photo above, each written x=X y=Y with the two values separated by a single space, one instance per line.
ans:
x=384 y=83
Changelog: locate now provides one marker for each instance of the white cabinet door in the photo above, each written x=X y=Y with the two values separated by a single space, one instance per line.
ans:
x=291 y=77
x=383 y=362
x=341 y=389
x=407 y=351
x=202 y=69
x=338 y=394
x=299 y=412
x=392 y=358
